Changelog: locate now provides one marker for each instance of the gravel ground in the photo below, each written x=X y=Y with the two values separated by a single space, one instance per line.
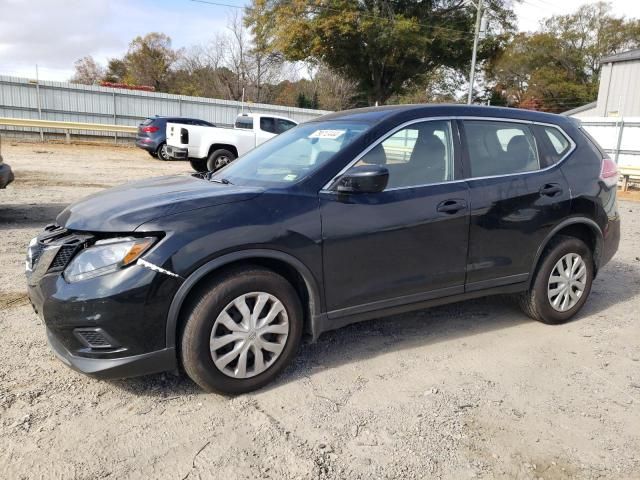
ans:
x=471 y=390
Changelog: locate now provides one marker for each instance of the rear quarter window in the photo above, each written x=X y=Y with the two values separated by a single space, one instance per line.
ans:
x=560 y=145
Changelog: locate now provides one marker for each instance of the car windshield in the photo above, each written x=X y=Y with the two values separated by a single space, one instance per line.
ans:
x=291 y=156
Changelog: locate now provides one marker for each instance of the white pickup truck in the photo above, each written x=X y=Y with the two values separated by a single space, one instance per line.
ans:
x=211 y=148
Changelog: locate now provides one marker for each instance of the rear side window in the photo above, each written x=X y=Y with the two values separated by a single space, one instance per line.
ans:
x=268 y=124
x=283 y=125
x=148 y=121
x=500 y=148
x=245 y=122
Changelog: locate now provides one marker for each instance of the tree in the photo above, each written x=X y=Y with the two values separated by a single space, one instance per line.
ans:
x=116 y=71
x=558 y=68
x=334 y=91
x=87 y=71
x=593 y=32
x=149 y=60
x=379 y=44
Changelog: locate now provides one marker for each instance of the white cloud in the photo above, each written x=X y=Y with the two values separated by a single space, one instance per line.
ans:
x=55 y=34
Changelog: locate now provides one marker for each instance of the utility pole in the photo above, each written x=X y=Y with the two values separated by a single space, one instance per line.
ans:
x=472 y=73
x=38 y=102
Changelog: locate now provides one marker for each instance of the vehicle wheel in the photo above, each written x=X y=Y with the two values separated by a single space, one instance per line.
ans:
x=198 y=165
x=242 y=331
x=162 y=153
x=562 y=282
x=219 y=158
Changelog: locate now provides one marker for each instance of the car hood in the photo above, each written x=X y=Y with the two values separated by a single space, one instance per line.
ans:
x=124 y=208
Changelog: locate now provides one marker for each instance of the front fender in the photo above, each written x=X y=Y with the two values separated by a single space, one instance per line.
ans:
x=192 y=280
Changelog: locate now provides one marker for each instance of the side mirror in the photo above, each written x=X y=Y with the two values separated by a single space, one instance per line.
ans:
x=364 y=179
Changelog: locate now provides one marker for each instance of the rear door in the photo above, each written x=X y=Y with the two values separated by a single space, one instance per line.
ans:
x=515 y=200
x=407 y=243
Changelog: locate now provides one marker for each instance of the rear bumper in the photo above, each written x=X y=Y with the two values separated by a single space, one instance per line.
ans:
x=123 y=367
x=6 y=175
x=148 y=144
x=611 y=240
x=178 y=153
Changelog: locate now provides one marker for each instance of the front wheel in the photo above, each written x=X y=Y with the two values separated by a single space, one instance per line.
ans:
x=219 y=158
x=242 y=331
x=562 y=282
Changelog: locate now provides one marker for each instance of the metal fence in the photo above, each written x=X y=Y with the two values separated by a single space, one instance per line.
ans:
x=620 y=137
x=61 y=101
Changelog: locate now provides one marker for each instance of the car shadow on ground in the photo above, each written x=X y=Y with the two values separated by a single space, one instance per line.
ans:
x=372 y=338
x=29 y=214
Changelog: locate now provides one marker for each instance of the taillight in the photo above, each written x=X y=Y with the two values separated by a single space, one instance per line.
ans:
x=609 y=172
x=150 y=129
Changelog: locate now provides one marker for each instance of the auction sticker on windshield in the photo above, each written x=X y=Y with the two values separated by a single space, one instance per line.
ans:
x=330 y=134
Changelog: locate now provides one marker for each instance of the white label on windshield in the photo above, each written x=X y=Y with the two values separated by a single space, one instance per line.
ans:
x=331 y=134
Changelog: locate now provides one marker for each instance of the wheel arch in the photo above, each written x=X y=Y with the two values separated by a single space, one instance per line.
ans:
x=282 y=263
x=582 y=228
x=218 y=146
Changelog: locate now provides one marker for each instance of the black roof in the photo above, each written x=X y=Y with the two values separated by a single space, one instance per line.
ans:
x=375 y=115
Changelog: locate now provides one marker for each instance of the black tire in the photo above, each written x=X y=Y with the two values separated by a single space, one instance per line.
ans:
x=198 y=165
x=219 y=158
x=161 y=152
x=201 y=315
x=535 y=302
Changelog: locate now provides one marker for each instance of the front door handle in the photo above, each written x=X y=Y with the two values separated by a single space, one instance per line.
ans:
x=451 y=206
x=550 y=189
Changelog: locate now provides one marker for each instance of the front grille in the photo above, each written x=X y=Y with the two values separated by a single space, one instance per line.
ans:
x=60 y=246
x=94 y=338
x=64 y=255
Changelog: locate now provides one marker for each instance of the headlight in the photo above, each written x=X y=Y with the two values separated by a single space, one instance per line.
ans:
x=106 y=256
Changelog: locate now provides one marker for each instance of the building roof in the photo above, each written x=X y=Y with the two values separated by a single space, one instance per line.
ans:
x=622 y=57
x=583 y=108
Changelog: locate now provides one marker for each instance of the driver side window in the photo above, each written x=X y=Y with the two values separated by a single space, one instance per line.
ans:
x=420 y=154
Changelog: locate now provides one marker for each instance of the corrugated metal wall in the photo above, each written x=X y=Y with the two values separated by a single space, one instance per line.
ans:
x=620 y=137
x=619 y=92
x=80 y=103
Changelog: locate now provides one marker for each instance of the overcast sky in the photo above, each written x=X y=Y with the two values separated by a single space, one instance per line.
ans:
x=53 y=34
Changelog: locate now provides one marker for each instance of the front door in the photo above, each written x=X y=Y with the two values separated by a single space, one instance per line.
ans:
x=407 y=243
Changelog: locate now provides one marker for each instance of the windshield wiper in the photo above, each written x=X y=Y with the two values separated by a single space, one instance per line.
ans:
x=224 y=181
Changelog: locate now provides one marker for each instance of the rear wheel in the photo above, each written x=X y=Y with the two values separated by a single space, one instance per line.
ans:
x=562 y=282
x=198 y=165
x=219 y=158
x=242 y=331
x=162 y=152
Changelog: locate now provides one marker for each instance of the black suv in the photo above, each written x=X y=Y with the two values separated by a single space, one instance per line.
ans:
x=152 y=134
x=355 y=215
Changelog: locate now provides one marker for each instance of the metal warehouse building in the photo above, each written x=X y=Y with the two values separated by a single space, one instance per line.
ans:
x=619 y=92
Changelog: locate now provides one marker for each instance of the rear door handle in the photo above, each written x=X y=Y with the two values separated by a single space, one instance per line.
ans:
x=451 y=206
x=550 y=189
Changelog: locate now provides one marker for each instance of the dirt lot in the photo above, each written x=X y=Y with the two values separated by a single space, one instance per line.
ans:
x=471 y=390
